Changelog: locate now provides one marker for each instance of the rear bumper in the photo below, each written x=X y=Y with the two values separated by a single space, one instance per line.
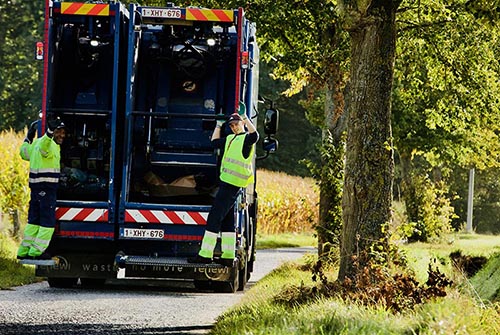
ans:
x=172 y=268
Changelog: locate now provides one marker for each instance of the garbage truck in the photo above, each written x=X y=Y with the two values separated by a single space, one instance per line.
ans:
x=140 y=90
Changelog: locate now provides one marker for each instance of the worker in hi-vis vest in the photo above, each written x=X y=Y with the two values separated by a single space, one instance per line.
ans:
x=236 y=172
x=44 y=156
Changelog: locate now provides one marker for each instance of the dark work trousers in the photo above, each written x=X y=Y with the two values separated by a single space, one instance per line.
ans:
x=42 y=207
x=221 y=217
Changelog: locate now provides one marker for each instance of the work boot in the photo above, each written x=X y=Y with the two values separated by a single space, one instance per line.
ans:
x=199 y=259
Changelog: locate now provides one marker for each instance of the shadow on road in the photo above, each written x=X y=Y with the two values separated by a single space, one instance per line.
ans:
x=98 y=329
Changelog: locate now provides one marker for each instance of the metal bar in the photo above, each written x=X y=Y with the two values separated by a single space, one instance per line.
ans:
x=175 y=115
x=74 y=111
x=470 y=202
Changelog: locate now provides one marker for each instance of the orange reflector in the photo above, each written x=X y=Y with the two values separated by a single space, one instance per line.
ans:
x=39 y=50
x=76 y=8
x=244 y=59
x=218 y=15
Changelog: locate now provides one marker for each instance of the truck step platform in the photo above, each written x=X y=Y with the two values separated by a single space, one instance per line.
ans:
x=45 y=262
x=134 y=266
x=161 y=261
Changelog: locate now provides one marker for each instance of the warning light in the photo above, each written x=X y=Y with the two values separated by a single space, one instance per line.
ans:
x=39 y=51
x=244 y=59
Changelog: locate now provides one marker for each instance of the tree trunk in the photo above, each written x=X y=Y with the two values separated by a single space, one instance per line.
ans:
x=368 y=180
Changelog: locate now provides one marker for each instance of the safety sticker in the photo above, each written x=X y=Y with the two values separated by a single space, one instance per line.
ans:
x=218 y=15
x=82 y=214
x=168 y=217
x=77 y=8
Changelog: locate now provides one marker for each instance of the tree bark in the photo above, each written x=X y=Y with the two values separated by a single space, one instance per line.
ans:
x=367 y=195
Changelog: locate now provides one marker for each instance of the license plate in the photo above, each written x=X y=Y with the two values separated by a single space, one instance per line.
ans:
x=143 y=233
x=162 y=13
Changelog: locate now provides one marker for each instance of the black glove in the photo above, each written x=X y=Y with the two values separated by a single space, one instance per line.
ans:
x=31 y=131
x=53 y=125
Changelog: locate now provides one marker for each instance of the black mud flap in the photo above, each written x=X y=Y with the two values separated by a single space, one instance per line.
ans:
x=173 y=268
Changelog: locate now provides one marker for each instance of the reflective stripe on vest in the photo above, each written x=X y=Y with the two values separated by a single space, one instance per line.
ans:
x=48 y=175
x=236 y=169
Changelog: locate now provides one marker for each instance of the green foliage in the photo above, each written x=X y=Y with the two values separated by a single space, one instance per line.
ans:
x=445 y=99
x=428 y=207
x=20 y=73
x=297 y=137
x=446 y=87
x=303 y=38
x=329 y=175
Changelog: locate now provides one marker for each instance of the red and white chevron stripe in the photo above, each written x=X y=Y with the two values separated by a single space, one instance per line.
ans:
x=168 y=217
x=82 y=214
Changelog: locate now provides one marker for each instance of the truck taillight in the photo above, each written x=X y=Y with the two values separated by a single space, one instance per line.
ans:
x=39 y=51
x=244 y=59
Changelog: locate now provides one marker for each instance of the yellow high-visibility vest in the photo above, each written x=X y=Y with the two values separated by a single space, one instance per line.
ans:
x=44 y=156
x=235 y=168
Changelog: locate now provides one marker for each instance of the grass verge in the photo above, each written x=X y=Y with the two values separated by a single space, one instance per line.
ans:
x=261 y=310
x=11 y=272
x=288 y=240
x=486 y=283
x=420 y=254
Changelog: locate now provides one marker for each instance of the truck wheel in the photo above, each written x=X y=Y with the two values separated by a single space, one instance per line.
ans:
x=62 y=282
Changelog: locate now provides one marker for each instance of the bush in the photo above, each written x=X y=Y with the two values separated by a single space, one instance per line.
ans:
x=429 y=209
x=14 y=190
x=287 y=204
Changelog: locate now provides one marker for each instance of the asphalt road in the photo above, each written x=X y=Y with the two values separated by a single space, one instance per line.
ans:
x=166 y=308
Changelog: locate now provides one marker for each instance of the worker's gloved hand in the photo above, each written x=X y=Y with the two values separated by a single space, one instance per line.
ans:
x=31 y=131
x=53 y=125
x=242 y=110
x=221 y=119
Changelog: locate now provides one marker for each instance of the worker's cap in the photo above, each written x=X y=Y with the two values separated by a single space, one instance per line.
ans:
x=56 y=124
x=234 y=118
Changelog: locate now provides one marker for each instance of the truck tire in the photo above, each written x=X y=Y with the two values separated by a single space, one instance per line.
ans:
x=62 y=282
